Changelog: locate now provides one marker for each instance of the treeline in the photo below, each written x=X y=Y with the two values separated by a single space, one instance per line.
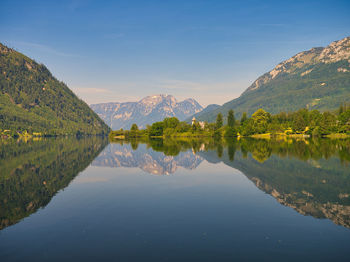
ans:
x=301 y=122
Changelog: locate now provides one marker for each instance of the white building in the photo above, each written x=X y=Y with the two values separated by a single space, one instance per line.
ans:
x=201 y=123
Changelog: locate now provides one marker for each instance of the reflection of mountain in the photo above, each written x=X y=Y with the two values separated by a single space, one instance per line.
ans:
x=32 y=173
x=320 y=188
x=150 y=161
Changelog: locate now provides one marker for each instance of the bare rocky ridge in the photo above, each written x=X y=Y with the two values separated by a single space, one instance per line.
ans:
x=146 y=111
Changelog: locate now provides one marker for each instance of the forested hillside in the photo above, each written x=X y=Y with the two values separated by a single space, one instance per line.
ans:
x=33 y=100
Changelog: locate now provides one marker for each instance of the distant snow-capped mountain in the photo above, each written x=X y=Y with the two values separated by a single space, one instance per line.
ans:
x=146 y=111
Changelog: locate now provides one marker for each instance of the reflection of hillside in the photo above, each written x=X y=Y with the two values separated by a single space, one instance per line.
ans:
x=31 y=173
x=318 y=188
x=305 y=204
x=150 y=161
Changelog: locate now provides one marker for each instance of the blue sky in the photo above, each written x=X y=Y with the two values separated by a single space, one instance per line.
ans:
x=209 y=50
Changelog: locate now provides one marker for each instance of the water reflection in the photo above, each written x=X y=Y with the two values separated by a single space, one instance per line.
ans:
x=150 y=161
x=32 y=172
x=310 y=176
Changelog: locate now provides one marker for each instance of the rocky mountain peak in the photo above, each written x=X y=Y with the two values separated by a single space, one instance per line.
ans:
x=336 y=51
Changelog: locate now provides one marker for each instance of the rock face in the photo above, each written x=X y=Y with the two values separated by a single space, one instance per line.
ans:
x=315 y=79
x=146 y=111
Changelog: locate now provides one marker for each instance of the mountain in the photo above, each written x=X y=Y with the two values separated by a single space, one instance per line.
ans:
x=32 y=99
x=314 y=79
x=146 y=111
x=206 y=110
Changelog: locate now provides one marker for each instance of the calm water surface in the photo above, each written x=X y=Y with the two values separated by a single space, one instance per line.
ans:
x=69 y=199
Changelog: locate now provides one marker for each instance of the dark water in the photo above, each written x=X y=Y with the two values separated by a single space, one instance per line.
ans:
x=174 y=200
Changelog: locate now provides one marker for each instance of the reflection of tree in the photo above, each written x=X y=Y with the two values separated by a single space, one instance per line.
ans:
x=31 y=173
x=219 y=149
x=134 y=144
x=315 y=149
x=231 y=149
x=261 y=149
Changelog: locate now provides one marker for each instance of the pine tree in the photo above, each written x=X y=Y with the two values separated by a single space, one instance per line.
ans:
x=231 y=118
x=219 y=121
x=244 y=118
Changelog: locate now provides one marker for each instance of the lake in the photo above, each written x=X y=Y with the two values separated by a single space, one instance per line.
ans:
x=65 y=199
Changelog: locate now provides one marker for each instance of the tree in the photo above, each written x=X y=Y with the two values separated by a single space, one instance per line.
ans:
x=182 y=127
x=157 y=129
x=260 y=119
x=171 y=122
x=134 y=127
x=134 y=130
x=219 y=121
x=230 y=131
x=244 y=118
x=327 y=123
x=299 y=123
x=168 y=132
x=231 y=118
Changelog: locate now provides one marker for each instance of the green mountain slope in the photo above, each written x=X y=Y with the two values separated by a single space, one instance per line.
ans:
x=314 y=79
x=32 y=99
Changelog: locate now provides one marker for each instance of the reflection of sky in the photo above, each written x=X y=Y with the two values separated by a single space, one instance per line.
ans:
x=210 y=213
